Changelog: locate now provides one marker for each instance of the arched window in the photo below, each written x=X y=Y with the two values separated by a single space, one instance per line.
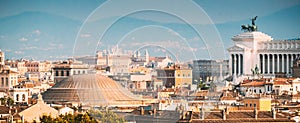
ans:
x=56 y=73
x=17 y=97
x=83 y=72
x=23 y=97
x=68 y=73
x=62 y=73
x=78 y=72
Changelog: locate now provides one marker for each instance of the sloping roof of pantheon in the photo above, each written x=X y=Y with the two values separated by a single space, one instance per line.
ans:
x=91 y=89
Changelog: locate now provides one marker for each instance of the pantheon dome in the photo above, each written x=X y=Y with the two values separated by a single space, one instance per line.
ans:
x=93 y=90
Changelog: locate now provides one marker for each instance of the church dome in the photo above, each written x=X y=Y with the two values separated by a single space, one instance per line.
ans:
x=90 y=89
x=251 y=36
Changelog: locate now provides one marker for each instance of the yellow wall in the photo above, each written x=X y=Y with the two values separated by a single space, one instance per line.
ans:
x=262 y=104
x=183 y=77
x=140 y=69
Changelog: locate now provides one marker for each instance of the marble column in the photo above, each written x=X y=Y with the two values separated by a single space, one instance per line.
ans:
x=234 y=64
x=268 y=69
x=230 y=64
x=287 y=64
x=240 y=65
x=278 y=67
x=263 y=64
x=273 y=63
x=282 y=62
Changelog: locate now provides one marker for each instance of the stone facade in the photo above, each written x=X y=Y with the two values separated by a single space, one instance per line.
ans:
x=257 y=49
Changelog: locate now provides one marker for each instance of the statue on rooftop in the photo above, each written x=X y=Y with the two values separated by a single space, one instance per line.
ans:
x=253 y=20
x=250 y=28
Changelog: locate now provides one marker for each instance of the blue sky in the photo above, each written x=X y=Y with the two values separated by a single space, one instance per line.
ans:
x=77 y=27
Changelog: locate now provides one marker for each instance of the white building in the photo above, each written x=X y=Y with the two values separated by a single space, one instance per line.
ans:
x=255 y=48
x=117 y=61
x=19 y=95
x=67 y=68
x=65 y=111
x=253 y=87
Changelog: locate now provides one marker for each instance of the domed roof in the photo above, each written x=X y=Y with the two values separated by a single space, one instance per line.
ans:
x=90 y=89
x=250 y=36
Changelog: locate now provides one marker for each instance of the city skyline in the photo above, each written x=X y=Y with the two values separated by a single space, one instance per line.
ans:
x=48 y=30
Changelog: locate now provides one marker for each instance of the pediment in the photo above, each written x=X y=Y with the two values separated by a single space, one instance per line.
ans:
x=236 y=48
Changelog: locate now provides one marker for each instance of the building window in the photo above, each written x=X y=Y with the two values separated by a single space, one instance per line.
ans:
x=17 y=97
x=23 y=97
x=6 y=81
x=183 y=75
x=83 y=72
x=254 y=105
x=254 y=90
x=178 y=75
x=260 y=91
x=170 y=74
x=62 y=73
x=68 y=73
x=56 y=73
x=2 y=81
x=246 y=105
x=250 y=105
x=78 y=72
x=74 y=72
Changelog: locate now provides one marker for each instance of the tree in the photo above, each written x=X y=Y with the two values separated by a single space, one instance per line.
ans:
x=7 y=101
x=10 y=101
x=106 y=116
x=69 y=118
x=3 y=101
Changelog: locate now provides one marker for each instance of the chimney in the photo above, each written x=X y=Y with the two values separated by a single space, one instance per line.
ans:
x=224 y=114
x=274 y=113
x=255 y=113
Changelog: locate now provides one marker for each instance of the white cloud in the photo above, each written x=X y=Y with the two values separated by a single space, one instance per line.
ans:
x=36 y=39
x=85 y=35
x=7 y=50
x=29 y=48
x=19 y=52
x=53 y=46
x=37 y=32
x=23 y=39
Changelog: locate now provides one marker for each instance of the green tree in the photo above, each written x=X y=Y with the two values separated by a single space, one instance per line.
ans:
x=106 y=116
x=3 y=101
x=10 y=101
x=46 y=119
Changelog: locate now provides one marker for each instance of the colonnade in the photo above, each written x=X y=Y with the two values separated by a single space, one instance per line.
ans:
x=277 y=63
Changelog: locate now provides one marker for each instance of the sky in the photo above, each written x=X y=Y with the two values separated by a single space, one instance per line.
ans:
x=184 y=30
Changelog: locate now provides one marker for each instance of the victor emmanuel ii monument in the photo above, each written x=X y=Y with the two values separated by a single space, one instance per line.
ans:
x=254 y=49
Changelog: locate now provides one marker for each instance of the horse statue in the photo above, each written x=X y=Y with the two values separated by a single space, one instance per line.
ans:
x=248 y=28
